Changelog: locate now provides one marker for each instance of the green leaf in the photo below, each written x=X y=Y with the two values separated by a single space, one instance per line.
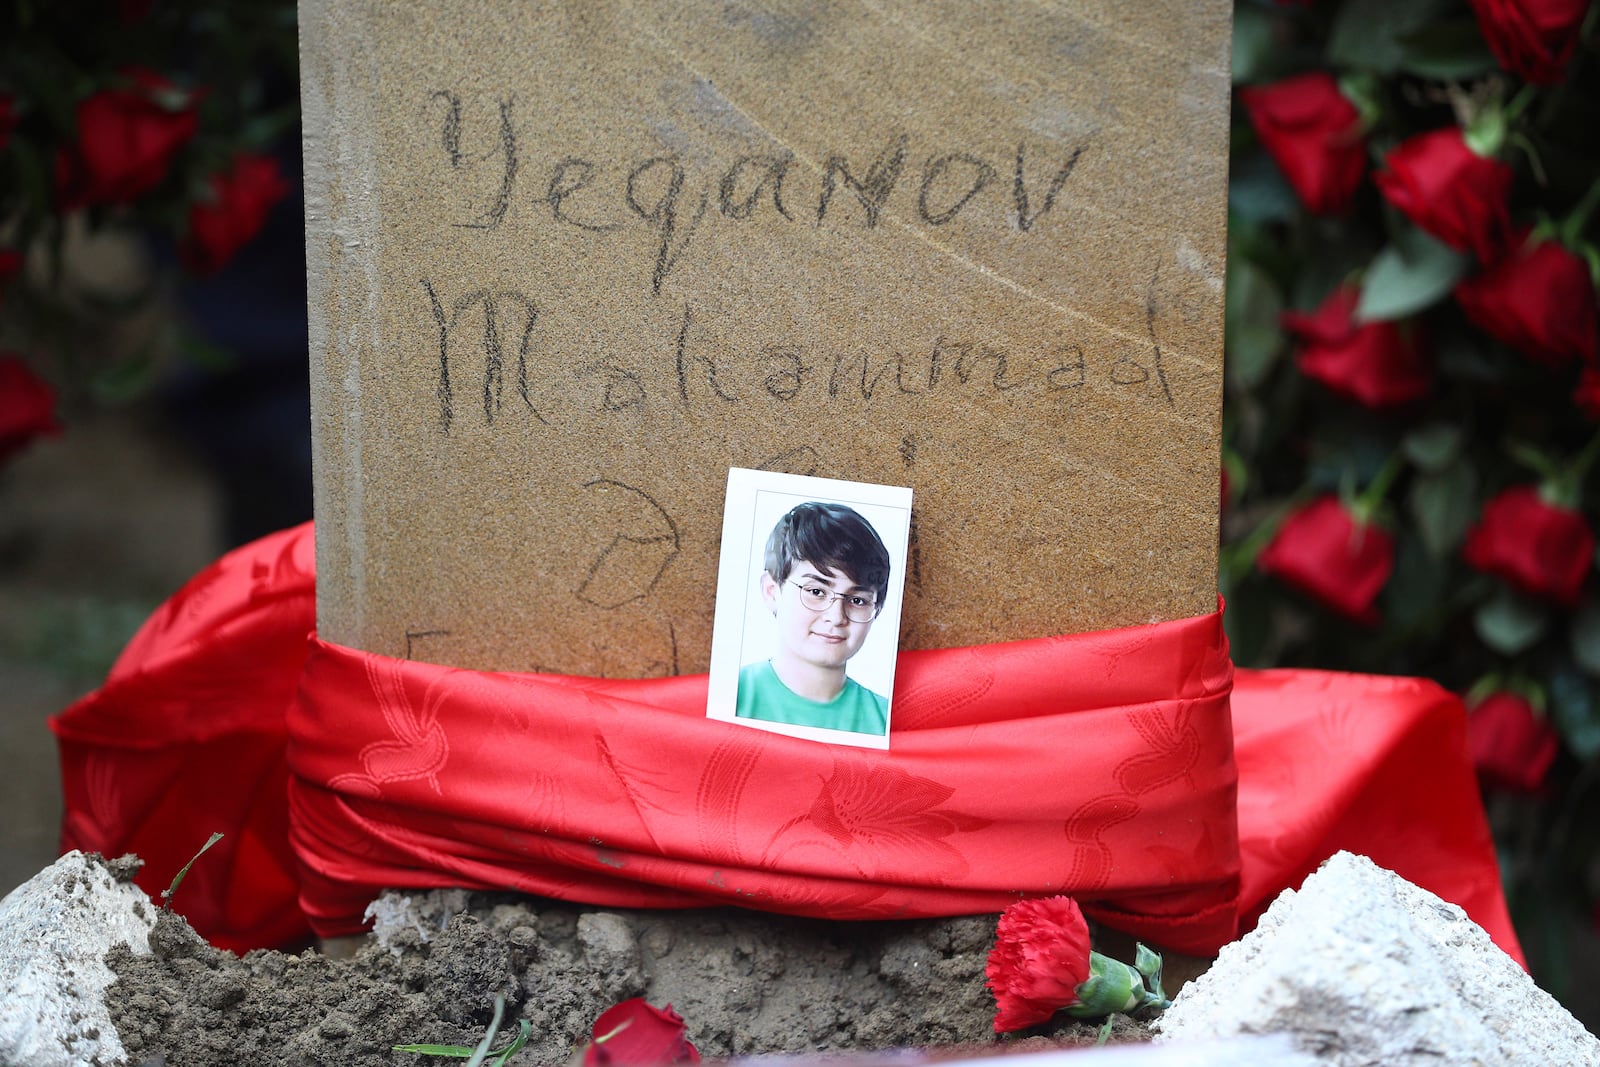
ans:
x=1444 y=505
x=482 y=1053
x=1416 y=596
x=201 y=351
x=177 y=880
x=1254 y=46
x=1508 y=623
x=1249 y=619
x=457 y=1051
x=1585 y=638
x=1402 y=281
x=1370 y=34
x=1254 y=338
x=1146 y=961
x=1257 y=190
x=1447 y=49
x=1432 y=447
x=125 y=380
x=1572 y=709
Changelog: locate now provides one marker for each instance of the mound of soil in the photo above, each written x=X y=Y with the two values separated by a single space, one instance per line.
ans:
x=744 y=982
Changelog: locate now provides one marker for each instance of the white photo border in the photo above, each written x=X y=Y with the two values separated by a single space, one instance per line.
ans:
x=755 y=501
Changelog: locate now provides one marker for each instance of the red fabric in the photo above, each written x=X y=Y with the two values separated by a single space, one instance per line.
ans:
x=1099 y=765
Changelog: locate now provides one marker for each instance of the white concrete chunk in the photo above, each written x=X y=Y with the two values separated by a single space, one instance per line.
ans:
x=1362 y=967
x=55 y=930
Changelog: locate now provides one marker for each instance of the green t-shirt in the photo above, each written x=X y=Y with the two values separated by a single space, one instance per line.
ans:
x=762 y=695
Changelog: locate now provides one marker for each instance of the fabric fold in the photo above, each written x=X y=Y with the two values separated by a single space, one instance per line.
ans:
x=1098 y=765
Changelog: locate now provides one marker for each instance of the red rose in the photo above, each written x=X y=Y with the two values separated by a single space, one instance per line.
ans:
x=636 y=1034
x=1536 y=547
x=1586 y=397
x=1533 y=39
x=241 y=197
x=8 y=118
x=1040 y=957
x=1324 y=552
x=1313 y=132
x=27 y=407
x=1539 y=300
x=1450 y=191
x=1378 y=365
x=1512 y=745
x=126 y=140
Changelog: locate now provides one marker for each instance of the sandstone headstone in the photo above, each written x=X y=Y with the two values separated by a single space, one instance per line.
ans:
x=55 y=930
x=569 y=262
x=1362 y=967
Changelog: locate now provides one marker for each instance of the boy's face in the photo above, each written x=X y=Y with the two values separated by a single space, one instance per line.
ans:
x=825 y=638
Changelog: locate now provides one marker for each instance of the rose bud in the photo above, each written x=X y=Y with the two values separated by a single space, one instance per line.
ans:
x=1326 y=553
x=1539 y=300
x=1314 y=133
x=127 y=138
x=1536 y=547
x=240 y=199
x=1512 y=745
x=1533 y=39
x=1376 y=364
x=1460 y=197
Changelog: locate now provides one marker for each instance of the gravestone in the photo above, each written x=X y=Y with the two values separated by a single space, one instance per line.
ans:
x=569 y=262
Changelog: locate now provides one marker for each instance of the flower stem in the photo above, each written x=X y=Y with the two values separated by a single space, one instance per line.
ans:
x=1365 y=506
x=1573 y=225
x=1563 y=487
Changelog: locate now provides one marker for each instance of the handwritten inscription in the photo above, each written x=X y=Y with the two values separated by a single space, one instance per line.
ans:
x=662 y=195
x=479 y=332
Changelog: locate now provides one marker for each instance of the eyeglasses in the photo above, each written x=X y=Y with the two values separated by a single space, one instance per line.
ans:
x=857 y=608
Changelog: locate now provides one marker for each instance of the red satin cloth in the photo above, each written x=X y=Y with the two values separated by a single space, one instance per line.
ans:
x=1101 y=765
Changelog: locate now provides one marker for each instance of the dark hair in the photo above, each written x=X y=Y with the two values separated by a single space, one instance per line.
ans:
x=832 y=536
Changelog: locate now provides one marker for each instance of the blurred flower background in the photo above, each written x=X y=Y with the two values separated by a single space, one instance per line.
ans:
x=1412 y=412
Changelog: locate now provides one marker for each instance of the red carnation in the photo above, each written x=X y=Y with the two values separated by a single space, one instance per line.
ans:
x=241 y=197
x=1533 y=39
x=1450 y=191
x=1539 y=300
x=1512 y=745
x=1313 y=132
x=1325 y=552
x=1378 y=365
x=1538 y=548
x=27 y=407
x=634 y=1033
x=1040 y=957
x=127 y=138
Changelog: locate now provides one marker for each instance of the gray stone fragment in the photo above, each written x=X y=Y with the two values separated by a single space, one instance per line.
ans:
x=55 y=930
x=1362 y=967
x=426 y=914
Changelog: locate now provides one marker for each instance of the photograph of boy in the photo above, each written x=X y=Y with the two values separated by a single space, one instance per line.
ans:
x=825 y=581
